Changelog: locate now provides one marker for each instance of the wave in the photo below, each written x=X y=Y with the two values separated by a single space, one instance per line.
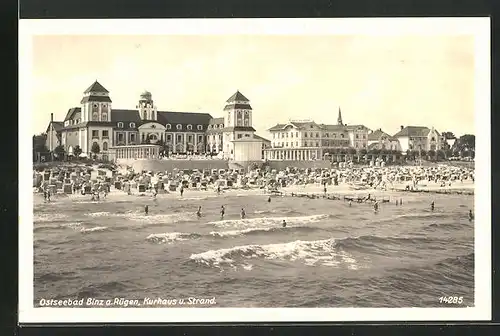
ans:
x=250 y=231
x=311 y=253
x=139 y=216
x=171 y=237
x=93 y=229
x=48 y=217
x=267 y=221
x=181 y=236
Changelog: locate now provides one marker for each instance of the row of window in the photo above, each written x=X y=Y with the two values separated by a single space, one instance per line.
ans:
x=239 y=136
x=311 y=135
x=216 y=126
x=168 y=126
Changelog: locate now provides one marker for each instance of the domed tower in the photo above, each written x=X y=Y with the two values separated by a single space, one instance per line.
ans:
x=146 y=107
x=96 y=104
x=238 y=112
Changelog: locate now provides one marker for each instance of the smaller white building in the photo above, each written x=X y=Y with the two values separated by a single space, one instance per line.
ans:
x=247 y=149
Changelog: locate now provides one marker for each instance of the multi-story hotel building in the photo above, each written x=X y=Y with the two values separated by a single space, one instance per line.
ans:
x=307 y=140
x=126 y=134
x=420 y=138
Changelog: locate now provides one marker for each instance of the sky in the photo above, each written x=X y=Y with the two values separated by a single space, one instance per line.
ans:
x=378 y=81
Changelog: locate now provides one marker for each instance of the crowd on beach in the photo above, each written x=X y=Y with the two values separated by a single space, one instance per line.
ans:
x=98 y=183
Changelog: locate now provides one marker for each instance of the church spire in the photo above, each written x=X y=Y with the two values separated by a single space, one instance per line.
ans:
x=339 y=119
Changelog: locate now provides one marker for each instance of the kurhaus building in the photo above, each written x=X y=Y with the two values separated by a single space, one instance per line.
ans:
x=132 y=134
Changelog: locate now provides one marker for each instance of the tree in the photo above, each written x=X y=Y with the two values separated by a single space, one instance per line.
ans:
x=448 y=135
x=431 y=154
x=59 y=151
x=77 y=151
x=466 y=142
x=440 y=155
x=95 y=149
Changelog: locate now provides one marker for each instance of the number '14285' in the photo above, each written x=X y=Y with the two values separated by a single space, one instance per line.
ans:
x=451 y=299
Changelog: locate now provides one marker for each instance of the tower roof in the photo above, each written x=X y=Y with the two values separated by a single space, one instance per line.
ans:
x=96 y=87
x=339 y=118
x=238 y=96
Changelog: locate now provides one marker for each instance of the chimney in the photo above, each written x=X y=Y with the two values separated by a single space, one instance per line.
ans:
x=51 y=117
x=402 y=127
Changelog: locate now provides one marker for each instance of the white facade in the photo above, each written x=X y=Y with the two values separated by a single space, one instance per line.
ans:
x=247 y=150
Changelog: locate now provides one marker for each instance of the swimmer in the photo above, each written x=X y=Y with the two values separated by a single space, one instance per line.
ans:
x=222 y=211
x=432 y=206
x=375 y=207
x=198 y=213
x=401 y=201
x=269 y=199
x=397 y=202
x=350 y=203
x=243 y=214
x=146 y=209
x=471 y=216
x=182 y=190
x=283 y=223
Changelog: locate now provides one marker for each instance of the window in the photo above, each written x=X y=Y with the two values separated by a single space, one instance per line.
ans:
x=357 y=136
x=132 y=125
x=169 y=137
x=190 y=138
x=317 y=135
x=296 y=143
x=200 y=128
x=189 y=127
x=132 y=137
x=291 y=135
x=215 y=126
x=286 y=144
x=95 y=134
x=305 y=135
x=239 y=136
x=179 y=138
x=153 y=137
x=120 y=137
x=105 y=134
x=221 y=126
x=200 y=138
x=120 y=125
x=95 y=116
x=246 y=123
x=433 y=139
x=247 y=135
x=168 y=126
x=178 y=126
x=311 y=134
x=286 y=135
x=209 y=127
x=105 y=146
x=342 y=136
x=153 y=126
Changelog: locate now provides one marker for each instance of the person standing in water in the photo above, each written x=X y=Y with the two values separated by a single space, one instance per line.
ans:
x=471 y=216
x=222 y=211
x=146 y=209
x=375 y=207
x=397 y=202
x=269 y=199
x=432 y=206
x=243 y=214
x=198 y=213
x=283 y=223
x=350 y=203
x=182 y=190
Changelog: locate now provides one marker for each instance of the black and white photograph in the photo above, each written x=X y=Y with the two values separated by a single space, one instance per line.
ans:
x=298 y=170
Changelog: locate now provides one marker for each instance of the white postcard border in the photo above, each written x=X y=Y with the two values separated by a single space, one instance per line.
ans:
x=479 y=27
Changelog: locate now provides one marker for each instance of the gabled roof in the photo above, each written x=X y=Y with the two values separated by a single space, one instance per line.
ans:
x=261 y=138
x=413 y=131
x=277 y=127
x=96 y=87
x=71 y=113
x=58 y=125
x=238 y=96
x=231 y=106
x=184 y=118
x=377 y=134
x=354 y=127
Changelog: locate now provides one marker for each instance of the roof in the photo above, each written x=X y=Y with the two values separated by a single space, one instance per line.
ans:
x=184 y=118
x=239 y=128
x=216 y=121
x=377 y=134
x=96 y=87
x=353 y=127
x=413 y=131
x=125 y=115
x=58 y=125
x=334 y=128
x=261 y=138
x=237 y=106
x=71 y=113
x=238 y=96
x=91 y=98
x=277 y=127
